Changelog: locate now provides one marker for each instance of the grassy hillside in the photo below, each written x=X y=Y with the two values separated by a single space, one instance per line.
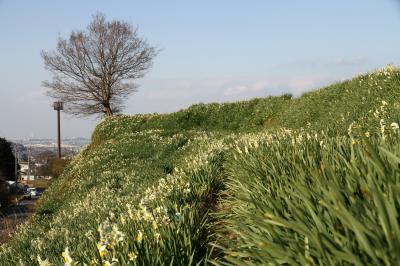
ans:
x=311 y=180
x=331 y=108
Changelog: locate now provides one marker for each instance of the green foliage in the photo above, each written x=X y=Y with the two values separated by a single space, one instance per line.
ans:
x=310 y=180
x=7 y=161
x=57 y=166
x=7 y=170
x=330 y=109
x=54 y=167
x=335 y=107
x=4 y=195
x=135 y=183
x=317 y=201
x=242 y=116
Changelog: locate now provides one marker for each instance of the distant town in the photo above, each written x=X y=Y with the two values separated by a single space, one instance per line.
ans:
x=32 y=155
x=35 y=165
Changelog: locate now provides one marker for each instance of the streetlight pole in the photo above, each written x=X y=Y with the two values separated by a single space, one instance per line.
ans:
x=58 y=106
x=16 y=165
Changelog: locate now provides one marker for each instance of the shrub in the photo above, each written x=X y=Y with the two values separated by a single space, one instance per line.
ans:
x=4 y=194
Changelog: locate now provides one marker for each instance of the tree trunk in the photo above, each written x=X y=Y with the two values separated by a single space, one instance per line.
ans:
x=108 y=111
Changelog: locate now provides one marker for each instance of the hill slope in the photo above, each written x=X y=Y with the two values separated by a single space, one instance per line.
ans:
x=311 y=180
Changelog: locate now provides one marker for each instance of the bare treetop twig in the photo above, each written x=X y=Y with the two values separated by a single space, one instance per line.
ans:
x=94 y=70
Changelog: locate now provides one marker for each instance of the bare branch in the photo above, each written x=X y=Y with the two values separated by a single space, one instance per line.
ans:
x=94 y=70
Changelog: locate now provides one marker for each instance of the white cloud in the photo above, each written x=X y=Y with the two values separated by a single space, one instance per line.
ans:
x=168 y=95
x=239 y=90
x=350 y=61
x=274 y=86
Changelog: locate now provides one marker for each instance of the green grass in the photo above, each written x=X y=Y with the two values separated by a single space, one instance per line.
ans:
x=310 y=180
x=331 y=109
x=322 y=201
x=124 y=186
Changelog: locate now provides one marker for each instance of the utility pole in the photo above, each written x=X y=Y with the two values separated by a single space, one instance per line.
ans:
x=58 y=106
x=29 y=162
x=16 y=165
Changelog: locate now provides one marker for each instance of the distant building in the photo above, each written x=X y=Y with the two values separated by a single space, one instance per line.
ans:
x=26 y=177
x=24 y=167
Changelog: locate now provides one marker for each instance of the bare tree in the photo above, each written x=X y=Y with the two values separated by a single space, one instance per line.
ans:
x=93 y=71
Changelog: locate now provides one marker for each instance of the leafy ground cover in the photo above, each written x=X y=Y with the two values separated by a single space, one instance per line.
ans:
x=312 y=180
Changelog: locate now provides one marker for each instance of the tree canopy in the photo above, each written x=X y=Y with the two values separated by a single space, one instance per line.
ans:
x=95 y=69
x=7 y=160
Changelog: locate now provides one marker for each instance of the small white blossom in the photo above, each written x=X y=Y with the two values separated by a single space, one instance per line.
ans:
x=394 y=126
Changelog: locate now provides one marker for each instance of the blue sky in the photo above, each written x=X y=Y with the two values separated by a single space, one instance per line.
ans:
x=211 y=51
